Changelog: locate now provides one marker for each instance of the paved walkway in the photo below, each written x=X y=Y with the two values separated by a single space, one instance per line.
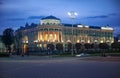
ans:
x=58 y=67
x=109 y=58
x=92 y=58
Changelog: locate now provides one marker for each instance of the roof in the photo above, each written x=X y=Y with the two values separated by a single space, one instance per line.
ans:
x=70 y=25
x=28 y=27
x=50 y=17
x=94 y=27
x=76 y=25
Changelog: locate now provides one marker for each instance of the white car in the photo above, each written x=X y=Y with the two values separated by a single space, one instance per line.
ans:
x=82 y=55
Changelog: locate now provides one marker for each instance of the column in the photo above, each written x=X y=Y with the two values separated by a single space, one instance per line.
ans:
x=61 y=37
x=58 y=36
x=54 y=35
x=48 y=35
x=42 y=37
x=38 y=35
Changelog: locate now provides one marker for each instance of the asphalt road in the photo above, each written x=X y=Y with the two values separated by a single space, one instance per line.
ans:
x=47 y=67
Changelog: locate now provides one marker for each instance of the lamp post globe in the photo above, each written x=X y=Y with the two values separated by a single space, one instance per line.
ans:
x=72 y=14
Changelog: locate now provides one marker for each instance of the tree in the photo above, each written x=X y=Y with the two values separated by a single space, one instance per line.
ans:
x=115 y=45
x=78 y=47
x=8 y=38
x=94 y=46
x=59 y=47
x=87 y=46
x=50 y=47
x=18 y=37
x=26 y=25
x=69 y=46
x=33 y=24
x=119 y=46
x=103 y=46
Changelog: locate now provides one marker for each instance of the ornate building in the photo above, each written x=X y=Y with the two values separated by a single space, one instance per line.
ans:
x=51 y=30
x=2 y=46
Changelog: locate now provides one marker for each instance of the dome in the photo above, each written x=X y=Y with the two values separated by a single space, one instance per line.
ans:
x=50 y=17
x=50 y=20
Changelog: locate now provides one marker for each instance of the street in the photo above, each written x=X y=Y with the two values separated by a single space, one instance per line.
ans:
x=64 y=67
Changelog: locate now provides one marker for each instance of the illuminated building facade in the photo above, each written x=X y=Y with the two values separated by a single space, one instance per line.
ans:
x=2 y=46
x=51 y=30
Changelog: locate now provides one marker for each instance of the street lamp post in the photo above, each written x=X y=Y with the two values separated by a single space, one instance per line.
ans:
x=72 y=15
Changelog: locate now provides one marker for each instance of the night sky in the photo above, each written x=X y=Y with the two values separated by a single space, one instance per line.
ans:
x=15 y=13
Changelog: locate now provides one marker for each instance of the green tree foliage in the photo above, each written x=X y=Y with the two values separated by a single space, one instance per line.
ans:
x=78 y=47
x=103 y=46
x=87 y=45
x=115 y=45
x=50 y=47
x=69 y=46
x=119 y=46
x=8 y=38
x=18 y=37
x=26 y=25
x=59 y=47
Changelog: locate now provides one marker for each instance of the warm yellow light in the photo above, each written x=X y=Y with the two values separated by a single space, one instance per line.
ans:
x=42 y=40
x=88 y=41
x=112 y=41
x=78 y=41
x=101 y=41
x=26 y=41
x=40 y=37
x=55 y=36
x=53 y=40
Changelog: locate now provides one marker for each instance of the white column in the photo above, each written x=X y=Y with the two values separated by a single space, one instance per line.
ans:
x=48 y=34
x=58 y=36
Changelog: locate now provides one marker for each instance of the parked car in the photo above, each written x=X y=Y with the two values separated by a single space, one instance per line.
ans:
x=82 y=55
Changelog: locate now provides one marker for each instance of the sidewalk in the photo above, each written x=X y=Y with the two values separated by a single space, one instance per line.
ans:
x=25 y=57
x=108 y=58
x=54 y=57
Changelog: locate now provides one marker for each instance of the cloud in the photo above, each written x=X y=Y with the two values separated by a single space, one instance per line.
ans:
x=112 y=14
x=35 y=17
x=16 y=19
x=103 y=16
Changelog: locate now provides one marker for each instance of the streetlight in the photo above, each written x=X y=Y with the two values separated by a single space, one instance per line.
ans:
x=72 y=15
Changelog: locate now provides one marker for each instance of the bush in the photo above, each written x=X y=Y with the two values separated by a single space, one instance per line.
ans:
x=4 y=54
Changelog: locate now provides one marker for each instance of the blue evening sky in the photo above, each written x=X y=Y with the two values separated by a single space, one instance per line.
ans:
x=15 y=13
